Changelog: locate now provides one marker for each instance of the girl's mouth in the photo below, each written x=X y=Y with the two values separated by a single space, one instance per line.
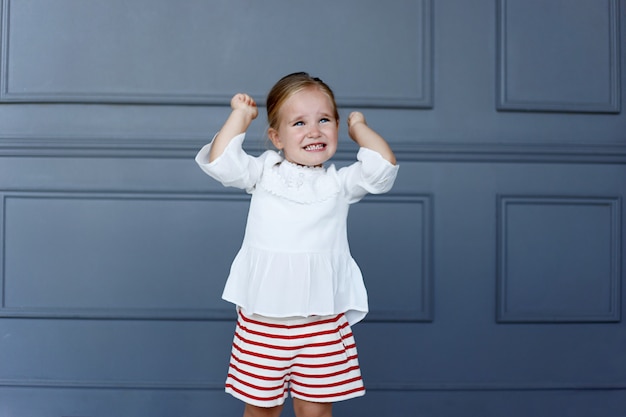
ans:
x=315 y=147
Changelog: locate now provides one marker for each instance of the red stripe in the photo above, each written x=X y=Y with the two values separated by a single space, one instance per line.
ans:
x=330 y=375
x=253 y=397
x=265 y=378
x=299 y=374
x=290 y=337
x=334 y=394
x=334 y=384
x=254 y=386
x=319 y=355
x=273 y=368
x=327 y=364
x=296 y=382
x=260 y=355
x=256 y=365
x=343 y=349
x=270 y=346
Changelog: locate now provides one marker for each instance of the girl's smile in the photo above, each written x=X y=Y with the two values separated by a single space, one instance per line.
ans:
x=315 y=147
x=307 y=132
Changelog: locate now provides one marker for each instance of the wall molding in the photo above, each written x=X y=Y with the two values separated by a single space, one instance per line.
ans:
x=4 y=47
x=371 y=386
x=186 y=147
x=566 y=153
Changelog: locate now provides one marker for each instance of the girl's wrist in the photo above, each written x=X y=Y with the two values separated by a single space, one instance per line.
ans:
x=247 y=114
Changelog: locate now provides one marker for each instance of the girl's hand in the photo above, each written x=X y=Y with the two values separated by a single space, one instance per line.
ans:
x=244 y=111
x=353 y=119
x=245 y=103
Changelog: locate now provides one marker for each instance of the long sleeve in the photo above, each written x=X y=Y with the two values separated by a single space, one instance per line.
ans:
x=370 y=174
x=234 y=168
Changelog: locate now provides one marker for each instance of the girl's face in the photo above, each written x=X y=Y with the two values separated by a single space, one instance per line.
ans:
x=307 y=132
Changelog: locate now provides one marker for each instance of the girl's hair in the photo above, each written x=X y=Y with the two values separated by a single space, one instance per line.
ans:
x=288 y=86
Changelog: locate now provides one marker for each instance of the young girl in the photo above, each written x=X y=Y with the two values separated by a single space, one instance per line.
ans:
x=295 y=284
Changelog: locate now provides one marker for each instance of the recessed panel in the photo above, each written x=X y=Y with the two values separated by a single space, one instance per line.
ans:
x=390 y=239
x=559 y=55
x=160 y=51
x=118 y=255
x=559 y=259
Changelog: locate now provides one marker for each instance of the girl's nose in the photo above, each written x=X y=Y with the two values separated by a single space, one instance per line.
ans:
x=314 y=131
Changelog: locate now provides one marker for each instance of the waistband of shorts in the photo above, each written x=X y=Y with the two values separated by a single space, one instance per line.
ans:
x=291 y=320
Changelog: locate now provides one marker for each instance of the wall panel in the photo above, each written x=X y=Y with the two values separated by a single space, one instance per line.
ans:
x=559 y=259
x=123 y=354
x=559 y=56
x=148 y=51
x=117 y=255
x=164 y=256
x=397 y=273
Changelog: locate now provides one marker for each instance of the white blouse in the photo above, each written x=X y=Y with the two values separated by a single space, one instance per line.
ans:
x=295 y=259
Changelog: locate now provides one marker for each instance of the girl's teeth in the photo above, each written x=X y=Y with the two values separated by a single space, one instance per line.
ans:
x=314 y=147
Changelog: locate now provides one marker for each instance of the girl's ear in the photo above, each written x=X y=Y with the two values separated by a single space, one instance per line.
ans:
x=273 y=135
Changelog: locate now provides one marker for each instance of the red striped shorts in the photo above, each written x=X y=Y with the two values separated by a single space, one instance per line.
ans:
x=315 y=358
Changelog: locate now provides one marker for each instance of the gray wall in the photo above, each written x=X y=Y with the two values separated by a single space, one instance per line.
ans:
x=494 y=266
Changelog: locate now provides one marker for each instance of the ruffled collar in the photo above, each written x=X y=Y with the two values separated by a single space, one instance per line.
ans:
x=299 y=183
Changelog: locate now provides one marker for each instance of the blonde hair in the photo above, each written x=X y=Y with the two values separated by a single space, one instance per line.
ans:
x=288 y=86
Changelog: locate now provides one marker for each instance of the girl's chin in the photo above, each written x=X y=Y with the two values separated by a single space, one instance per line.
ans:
x=309 y=160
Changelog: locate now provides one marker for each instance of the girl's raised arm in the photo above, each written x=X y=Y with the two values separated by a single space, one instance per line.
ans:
x=244 y=111
x=366 y=137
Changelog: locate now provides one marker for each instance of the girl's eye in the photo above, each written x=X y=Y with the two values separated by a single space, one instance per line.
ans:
x=325 y=120
x=298 y=124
